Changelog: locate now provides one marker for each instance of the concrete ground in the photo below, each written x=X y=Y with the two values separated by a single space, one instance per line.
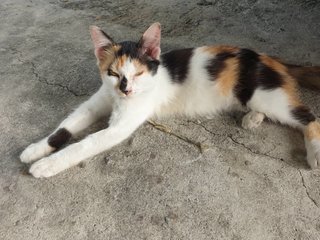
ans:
x=244 y=185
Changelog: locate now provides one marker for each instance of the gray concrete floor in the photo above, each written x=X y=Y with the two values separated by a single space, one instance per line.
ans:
x=246 y=185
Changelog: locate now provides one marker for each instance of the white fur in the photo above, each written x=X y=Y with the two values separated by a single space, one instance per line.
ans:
x=36 y=151
x=313 y=152
x=274 y=104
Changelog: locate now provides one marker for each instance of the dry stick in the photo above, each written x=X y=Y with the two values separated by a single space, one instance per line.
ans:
x=165 y=129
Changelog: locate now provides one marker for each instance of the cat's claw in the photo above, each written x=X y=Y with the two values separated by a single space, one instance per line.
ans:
x=44 y=168
x=36 y=151
x=252 y=120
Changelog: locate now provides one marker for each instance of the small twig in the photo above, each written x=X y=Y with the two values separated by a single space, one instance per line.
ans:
x=166 y=129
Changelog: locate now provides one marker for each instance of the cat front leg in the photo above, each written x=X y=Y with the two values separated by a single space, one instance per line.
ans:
x=122 y=125
x=99 y=105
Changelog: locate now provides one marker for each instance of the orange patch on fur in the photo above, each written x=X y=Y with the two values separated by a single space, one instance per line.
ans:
x=228 y=77
x=274 y=64
x=219 y=49
x=290 y=87
x=108 y=57
x=290 y=84
x=139 y=66
x=121 y=61
x=312 y=131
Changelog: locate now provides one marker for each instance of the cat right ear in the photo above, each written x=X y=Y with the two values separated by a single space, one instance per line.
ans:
x=150 y=41
x=100 y=40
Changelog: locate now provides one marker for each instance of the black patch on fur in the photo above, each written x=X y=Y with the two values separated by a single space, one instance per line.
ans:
x=152 y=65
x=217 y=64
x=128 y=48
x=252 y=74
x=248 y=61
x=303 y=115
x=177 y=62
x=59 y=138
x=267 y=78
x=123 y=85
x=131 y=49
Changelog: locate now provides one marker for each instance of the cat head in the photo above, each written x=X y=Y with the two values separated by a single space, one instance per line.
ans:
x=129 y=66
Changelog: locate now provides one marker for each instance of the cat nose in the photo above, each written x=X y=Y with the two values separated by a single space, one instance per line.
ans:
x=123 y=85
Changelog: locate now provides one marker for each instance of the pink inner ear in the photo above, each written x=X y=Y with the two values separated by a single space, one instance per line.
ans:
x=151 y=41
x=100 y=40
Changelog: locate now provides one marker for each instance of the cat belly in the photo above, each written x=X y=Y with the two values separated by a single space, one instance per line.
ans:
x=207 y=100
x=202 y=99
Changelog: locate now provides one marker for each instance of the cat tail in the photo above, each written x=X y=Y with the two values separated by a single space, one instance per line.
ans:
x=306 y=76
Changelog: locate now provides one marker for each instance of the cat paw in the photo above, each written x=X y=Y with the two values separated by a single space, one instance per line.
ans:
x=313 y=154
x=36 y=151
x=44 y=168
x=252 y=120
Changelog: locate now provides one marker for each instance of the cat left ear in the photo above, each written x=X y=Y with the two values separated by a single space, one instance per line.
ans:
x=100 y=40
x=150 y=41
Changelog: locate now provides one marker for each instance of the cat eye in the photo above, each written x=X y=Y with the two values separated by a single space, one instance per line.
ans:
x=112 y=73
x=139 y=73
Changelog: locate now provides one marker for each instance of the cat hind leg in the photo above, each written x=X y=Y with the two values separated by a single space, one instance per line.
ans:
x=286 y=108
x=312 y=142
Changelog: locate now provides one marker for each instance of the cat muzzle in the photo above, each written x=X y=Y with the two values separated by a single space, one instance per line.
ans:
x=123 y=86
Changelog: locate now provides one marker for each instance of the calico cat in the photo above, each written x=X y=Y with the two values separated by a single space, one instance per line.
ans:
x=138 y=83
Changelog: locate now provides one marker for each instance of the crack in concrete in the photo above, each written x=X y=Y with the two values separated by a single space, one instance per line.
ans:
x=238 y=143
x=42 y=79
x=45 y=81
x=263 y=154
x=255 y=152
x=306 y=189
x=266 y=155
x=204 y=127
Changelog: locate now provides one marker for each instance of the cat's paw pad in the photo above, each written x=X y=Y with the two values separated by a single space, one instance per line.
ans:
x=252 y=120
x=35 y=151
x=44 y=168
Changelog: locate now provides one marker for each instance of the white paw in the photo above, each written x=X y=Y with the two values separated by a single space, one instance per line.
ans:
x=314 y=161
x=252 y=120
x=313 y=153
x=36 y=151
x=45 y=167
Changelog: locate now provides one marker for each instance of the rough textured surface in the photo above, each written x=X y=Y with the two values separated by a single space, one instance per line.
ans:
x=245 y=185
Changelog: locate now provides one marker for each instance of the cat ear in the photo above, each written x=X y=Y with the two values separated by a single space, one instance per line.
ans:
x=150 y=41
x=100 y=40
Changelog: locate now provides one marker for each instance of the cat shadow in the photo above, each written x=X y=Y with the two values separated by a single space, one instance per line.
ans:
x=293 y=153
x=293 y=150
